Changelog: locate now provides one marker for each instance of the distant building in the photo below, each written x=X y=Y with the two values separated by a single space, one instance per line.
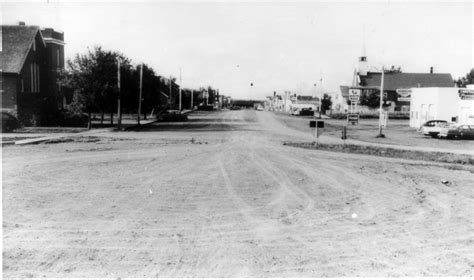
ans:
x=31 y=60
x=286 y=101
x=398 y=81
x=370 y=81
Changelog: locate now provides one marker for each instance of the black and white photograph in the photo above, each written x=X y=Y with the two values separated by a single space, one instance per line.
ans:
x=237 y=139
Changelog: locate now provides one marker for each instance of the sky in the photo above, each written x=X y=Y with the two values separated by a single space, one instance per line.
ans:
x=304 y=47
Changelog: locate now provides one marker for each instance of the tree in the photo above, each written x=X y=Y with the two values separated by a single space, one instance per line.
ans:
x=371 y=99
x=468 y=79
x=393 y=69
x=94 y=77
x=326 y=103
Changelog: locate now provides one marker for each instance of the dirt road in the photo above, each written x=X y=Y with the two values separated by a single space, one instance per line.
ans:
x=220 y=196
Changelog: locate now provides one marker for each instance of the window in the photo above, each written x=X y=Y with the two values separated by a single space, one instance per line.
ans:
x=37 y=78
x=34 y=45
x=57 y=57
x=32 y=75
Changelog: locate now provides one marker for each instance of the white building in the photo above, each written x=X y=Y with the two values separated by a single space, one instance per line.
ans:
x=438 y=103
x=466 y=105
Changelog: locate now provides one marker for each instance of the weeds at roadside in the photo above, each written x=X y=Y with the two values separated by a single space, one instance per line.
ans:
x=389 y=152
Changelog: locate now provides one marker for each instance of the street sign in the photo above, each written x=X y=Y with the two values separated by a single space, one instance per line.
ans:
x=354 y=98
x=319 y=124
x=404 y=94
x=466 y=94
x=318 y=129
x=353 y=118
x=354 y=92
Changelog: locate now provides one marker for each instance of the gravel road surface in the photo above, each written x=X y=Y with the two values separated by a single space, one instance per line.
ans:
x=220 y=196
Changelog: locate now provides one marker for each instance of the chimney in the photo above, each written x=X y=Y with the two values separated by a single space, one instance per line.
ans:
x=431 y=70
x=21 y=23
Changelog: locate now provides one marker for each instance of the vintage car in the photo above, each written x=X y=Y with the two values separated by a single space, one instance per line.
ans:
x=457 y=132
x=9 y=122
x=432 y=128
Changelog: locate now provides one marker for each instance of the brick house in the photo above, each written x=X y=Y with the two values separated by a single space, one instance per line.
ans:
x=31 y=59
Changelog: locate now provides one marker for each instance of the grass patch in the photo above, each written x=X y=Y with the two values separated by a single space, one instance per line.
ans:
x=375 y=115
x=388 y=152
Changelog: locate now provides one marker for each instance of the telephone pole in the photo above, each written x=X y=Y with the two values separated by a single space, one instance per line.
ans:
x=140 y=95
x=192 y=94
x=119 y=113
x=322 y=92
x=169 y=97
x=381 y=104
x=180 y=85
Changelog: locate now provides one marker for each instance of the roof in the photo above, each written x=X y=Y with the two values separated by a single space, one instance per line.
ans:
x=344 y=91
x=393 y=81
x=16 y=42
x=306 y=98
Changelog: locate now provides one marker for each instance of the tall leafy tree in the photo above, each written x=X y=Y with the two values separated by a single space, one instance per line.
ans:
x=93 y=75
x=326 y=102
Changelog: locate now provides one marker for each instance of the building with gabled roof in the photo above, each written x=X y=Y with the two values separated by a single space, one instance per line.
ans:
x=394 y=81
x=369 y=82
x=30 y=61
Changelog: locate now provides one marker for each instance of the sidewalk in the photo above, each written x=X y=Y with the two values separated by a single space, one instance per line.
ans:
x=37 y=138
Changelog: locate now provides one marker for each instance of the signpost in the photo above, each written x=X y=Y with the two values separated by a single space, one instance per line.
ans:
x=353 y=119
x=344 y=135
x=318 y=125
x=383 y=119
x=354 y=97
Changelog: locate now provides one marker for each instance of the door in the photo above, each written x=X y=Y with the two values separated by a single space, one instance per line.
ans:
x=423 y=114
x=430 y=113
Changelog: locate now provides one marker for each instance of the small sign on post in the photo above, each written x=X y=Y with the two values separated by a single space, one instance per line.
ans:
x=353 y=118
x=318 y=125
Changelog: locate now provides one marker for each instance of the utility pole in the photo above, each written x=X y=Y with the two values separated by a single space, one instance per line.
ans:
x=192 y=104
x=169 y=97
x=180 y=85
x=140 y=95
x=381 y=104
x=119 y=113
x=321 y=95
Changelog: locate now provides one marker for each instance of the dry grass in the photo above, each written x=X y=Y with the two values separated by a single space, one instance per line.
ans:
x=389 y=152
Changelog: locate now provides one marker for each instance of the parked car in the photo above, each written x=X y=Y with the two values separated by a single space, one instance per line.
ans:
x=433 y=127
x=9 y=122
x=259 y=108
x=457 y=132
x=173 y=117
